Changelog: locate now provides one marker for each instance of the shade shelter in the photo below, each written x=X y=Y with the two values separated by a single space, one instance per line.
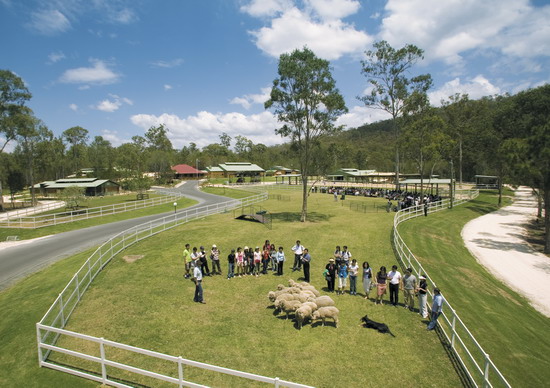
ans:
x=432 y=183
x=92 y=186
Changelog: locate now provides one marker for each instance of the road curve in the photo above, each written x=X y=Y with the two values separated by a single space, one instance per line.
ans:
x=28 y=257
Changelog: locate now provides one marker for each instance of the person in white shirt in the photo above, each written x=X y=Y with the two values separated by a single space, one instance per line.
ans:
x=298 y=250
x=346 y=255
x=394 y=276
x=197 y=278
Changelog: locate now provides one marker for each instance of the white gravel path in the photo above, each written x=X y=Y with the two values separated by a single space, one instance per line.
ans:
x=496 y=241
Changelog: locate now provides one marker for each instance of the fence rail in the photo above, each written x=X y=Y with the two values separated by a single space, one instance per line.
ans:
x=51 y=327
x=35 y=222
x=478 y=366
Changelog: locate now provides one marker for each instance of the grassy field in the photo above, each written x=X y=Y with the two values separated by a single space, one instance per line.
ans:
x=514 y=334
x=25 y=234
x=148 y=304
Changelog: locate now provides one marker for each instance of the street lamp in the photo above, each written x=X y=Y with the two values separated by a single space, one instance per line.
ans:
x=175 y=205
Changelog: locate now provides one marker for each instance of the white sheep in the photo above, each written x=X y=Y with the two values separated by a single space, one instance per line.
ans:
x=290 y=306
x=323 y=301
x=304 y=312
x=326 y=312
x=312 y=289
x=292 y=283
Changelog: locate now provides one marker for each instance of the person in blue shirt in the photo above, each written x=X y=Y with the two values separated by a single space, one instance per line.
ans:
x=437 y=308
x=306 y=260
x=342 y=277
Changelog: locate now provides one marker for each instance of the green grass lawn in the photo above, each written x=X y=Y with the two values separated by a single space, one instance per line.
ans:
x=148 y=304
x=514 y=334
x=226 y=192
x=25 y=234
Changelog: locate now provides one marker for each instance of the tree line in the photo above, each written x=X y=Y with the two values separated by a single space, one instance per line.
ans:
x=506 y=135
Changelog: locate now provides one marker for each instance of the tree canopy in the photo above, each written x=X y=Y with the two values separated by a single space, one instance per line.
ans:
x=305 y=99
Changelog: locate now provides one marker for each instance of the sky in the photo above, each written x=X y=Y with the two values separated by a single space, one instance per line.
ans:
x=205 y=67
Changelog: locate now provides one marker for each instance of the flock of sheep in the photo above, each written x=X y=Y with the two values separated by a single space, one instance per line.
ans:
x=304 y=301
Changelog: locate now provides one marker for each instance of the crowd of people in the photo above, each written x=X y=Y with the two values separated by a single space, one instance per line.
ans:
x=258 y=261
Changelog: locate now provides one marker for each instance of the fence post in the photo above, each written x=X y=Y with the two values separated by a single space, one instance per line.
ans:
x=486 y=372
x=77 y=286
x=103 y=368
x=39 y=338
x=180 y=371
x=276 y=382
x=62 y=311
x=453 y=326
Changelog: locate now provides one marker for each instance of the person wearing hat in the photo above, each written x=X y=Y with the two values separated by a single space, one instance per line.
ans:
x=422 y=290
x=409 y=288
x=331 y=274
x=437 y=308
x=215 y=257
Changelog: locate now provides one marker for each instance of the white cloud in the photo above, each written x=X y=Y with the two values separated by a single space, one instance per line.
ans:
x=123 y=16
x=113 y=137
x=264 y=8
x=248 y=100
x=73 y=107
x=333 y=9
x=314 y=26
x=168 y=64
x=55 y=57
x=114 y=104
x=361 y=115
x=205 y=127
x=476 y=88
x=446 y=30
x=167 y=87
x=98 y=74
x=49 y=22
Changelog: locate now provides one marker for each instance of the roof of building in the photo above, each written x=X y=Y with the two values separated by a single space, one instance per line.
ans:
x=186 y=169
x=240 y=167
x=214 y=169
x=427 y=181
x=79 y=182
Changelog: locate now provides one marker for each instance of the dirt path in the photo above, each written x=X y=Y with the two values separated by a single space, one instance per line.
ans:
x=496 y=240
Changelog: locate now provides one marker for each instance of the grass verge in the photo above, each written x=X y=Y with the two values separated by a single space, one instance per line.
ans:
x=25 y=234
x=512 y=332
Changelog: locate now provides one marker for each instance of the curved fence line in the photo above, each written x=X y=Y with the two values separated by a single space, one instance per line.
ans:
x=36 y=222
x=478 y=366
x=51 y=327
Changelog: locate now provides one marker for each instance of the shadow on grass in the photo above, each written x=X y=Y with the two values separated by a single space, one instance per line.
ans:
x=295 y=217
x=455 y=361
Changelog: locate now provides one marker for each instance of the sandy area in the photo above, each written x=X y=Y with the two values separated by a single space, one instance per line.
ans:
x=496 y=241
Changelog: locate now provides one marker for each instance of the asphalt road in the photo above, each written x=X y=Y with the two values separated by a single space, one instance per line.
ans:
x=23 y=259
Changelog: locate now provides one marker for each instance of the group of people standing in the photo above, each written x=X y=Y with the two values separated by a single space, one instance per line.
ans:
x=254 y=262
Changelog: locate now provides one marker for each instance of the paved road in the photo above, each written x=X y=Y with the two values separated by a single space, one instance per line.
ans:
x=497 y=240
x=25 y=258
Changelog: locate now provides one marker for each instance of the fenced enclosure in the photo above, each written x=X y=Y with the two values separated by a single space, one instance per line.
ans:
x=35 y=222
x=254 y=213
x=476 y=363
x=51 y=328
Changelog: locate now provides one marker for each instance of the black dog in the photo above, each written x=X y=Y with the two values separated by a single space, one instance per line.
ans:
x=381 y=327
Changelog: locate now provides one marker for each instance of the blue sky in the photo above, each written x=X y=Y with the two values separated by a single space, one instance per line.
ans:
x=203 y=67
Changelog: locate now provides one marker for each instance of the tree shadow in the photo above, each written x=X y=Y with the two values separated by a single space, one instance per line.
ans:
x=295 y=217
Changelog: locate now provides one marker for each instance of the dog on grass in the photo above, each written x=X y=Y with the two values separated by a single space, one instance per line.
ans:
x=370 y=324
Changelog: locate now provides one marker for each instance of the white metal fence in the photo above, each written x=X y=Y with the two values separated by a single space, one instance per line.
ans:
x=35 y=222
x=51 y=327
x=478 y=366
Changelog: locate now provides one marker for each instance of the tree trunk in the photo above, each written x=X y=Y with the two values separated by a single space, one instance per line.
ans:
x=396 y=140
x=1 y=197
x=546 y=220
x=460 y=162
x=539 y=204
x=303 y=216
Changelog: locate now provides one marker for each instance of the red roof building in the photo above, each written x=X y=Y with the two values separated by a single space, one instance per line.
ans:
x=185 y=171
